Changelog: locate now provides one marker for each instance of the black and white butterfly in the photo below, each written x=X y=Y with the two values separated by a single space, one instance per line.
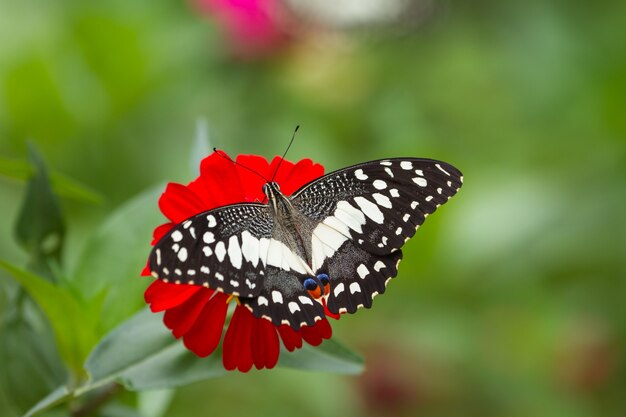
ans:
x=336 y=239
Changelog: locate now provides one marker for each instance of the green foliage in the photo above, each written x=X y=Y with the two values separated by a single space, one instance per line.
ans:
x=509 y=301
x=40 y=227
x=102 y=291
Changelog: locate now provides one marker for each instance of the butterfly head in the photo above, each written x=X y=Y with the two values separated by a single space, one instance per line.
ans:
x=274 y=197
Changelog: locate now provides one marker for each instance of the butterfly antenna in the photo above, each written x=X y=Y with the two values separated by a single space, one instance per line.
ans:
x=228 y=158
x=293 y=136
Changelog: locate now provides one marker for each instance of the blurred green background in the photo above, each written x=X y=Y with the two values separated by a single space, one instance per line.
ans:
x=510 y=300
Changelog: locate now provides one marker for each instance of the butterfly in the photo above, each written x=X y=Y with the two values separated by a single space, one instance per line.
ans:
x=335 y=243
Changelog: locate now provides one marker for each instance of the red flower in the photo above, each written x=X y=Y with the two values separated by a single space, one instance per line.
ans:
x=197 y=314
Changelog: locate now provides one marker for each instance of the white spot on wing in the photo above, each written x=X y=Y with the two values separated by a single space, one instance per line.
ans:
x=386 y=163
x=350 y=215
x=234 y=283
x=182 y=255
x=205 y=269
x=355 y=287
x=360 y=175
x=158 y=256
x=406 y=165
x=420 y=181
x=325 y=241
x=379 y=265
x=362 y=271
x=394 y=192
x=389 y=172
x=382 y=200
x=262 y=301
x=406 y=217
x=212 y=221
x=177 y=236
x=277 y=297
x=220 y=251
x=399 y=231
x=370 y=209
x=429 y=198
x=219 y=276
x=305 y=300
x=442 y=170
x=414 y=204
x=339 y=288
x=208 y=237
x=207 y=251
x=379 y=184
x=234 y=252
x=338 y=225
x=250 y=247
x=293 y=307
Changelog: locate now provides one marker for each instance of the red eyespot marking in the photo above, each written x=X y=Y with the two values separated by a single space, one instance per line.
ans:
x=316 y=293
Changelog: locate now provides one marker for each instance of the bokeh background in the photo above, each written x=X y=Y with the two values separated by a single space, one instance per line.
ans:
x=510 y=300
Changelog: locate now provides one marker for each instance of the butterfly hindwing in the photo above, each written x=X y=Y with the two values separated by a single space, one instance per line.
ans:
x=357 y=277
x=225 y=249
x=283 y=300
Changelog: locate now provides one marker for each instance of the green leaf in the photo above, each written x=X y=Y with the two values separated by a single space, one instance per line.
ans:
x=71 y=322
x=56 y=397
x=154 y=403
x=62 y=185
x=330 y=356
x=142 y=354
x=40 y=227
x=113 y=258
x=31 y=366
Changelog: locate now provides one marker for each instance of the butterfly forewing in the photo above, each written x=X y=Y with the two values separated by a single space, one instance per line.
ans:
x=376 y=205
x=225 y=249
x=365 y=213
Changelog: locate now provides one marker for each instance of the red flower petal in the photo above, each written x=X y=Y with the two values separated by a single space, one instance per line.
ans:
x=251 y=183
x=264 y=344
x=163 y=296
x=218 y=183
x=205 y=335
x=236 y=353
x=180 y=319
x=291 y=339
x=178 y=203
x=283 y=171
x=302 y=173
x=145 y=272
x=315 y=335
x=161 y=231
